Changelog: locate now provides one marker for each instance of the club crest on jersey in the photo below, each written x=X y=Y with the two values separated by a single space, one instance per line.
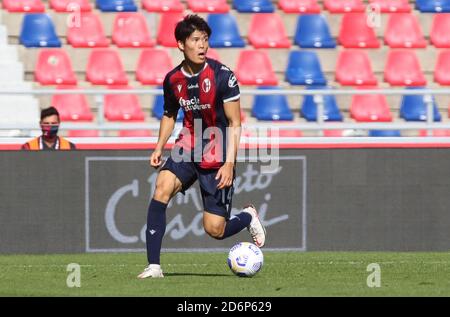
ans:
x=179 y=86
x=232 y=81
x=206 y=85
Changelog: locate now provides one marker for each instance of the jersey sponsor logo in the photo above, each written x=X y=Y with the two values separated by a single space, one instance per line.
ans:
x=206 y=85
x=193 y=86
x=232 y=81
x=192 y=104
x=179 y=86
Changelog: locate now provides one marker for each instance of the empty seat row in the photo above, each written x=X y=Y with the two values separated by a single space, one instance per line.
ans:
x=353 y=68
x=266 y=31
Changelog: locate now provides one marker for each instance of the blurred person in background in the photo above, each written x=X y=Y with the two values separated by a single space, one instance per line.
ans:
x=49 y=140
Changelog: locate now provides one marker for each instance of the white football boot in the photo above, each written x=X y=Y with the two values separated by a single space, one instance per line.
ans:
x=256 y=228
x=152 y=270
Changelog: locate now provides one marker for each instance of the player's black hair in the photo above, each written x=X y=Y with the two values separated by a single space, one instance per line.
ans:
x=49 y=112
x=189 y=25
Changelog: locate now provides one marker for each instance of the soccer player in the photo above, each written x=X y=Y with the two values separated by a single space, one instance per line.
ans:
x=208 y=93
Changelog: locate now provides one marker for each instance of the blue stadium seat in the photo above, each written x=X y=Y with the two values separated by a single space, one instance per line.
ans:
x=38 y=30
x=304 y=69
x=158 y=108
x=414 y=108
x=330 y=110
x=225 y=31
x=116 y=5
x=271 y=107
x=384 y=133
x=433 y=5
x=253 y=6
x=313 y=32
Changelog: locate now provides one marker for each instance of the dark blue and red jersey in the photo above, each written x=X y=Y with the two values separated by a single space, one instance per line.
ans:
x=202 y=97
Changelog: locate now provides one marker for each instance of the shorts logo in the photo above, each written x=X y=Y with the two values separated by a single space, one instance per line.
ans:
x=232 y=81
x=179 y=86
x=206 y=85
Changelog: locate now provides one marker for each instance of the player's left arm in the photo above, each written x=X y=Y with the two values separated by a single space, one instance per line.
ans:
x=233 y=113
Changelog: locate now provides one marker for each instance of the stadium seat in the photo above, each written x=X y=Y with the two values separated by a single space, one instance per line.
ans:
x=439 y=34
x=53 y=67
x=73 y=107
x=442 y=68
x=11 y=72
x=313 y=32
x=433 y=5
x=83 y=133
x=152 y=66
x=89 y=33
x=390 y=6
x=130 y=30
x=163 y=6
x=105 y=68
x=384 y=133
x=71 y=5
x=255 y=68
x=271 y=107
x=28 y=6
x=253 y=6
x=304 y=69
x=331 y=110
x=166 y=29
x=403 y=69
x=158 y=108
x=299 y=6
x=3 y=35
x=353 y=68
x=212 y=6
x=38 y=30
x=344 y=6
x=403 y=30
x=225 y=31
x=212 y=53
x=370 y=108
x=135 y=133
x=355 y=33
x=284 y=133
x=116 y=5
x=267 y=31
x=414 y=108
x=435 y=132
x=123 y=107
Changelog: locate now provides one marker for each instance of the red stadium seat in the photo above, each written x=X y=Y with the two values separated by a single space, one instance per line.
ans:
x=105 y=68
x=123 y=107
x=299 y=6
x=343 y=6
x=284 y=133
x=88 y=33
x=403 y=30
x=166 y=29
x=211 y=6
x=403 y=69
x=28 y=6
x=369 y=108
x=267 y=31
x=333 y=133
x=440 y=35
x=72 y=107
x=70 y=5
x=355 y=33
x=163 y=5
x=53 y=67
x=212 y=53
x=390 y=6
x=254 y=68
x=83 y=133
x=153 y=65
x=130 y=30
x=354 y=68
x=436 y=132
x=135 y=133
x=442 y=68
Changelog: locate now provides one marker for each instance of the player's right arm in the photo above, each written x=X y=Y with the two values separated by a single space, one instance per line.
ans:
x=165 y=131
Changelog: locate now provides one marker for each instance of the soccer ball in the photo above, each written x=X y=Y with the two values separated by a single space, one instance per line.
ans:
x=245 y=259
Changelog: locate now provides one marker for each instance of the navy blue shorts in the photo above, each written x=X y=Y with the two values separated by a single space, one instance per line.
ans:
x=215 y=201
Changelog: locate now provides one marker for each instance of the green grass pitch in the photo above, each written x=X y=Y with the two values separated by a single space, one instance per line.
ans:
x=207 y=274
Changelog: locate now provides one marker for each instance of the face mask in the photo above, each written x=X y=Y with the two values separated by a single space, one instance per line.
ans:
x=49 y=131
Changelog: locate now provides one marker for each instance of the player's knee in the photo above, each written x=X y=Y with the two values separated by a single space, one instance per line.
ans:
x=163 y=192
x=215 y=231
